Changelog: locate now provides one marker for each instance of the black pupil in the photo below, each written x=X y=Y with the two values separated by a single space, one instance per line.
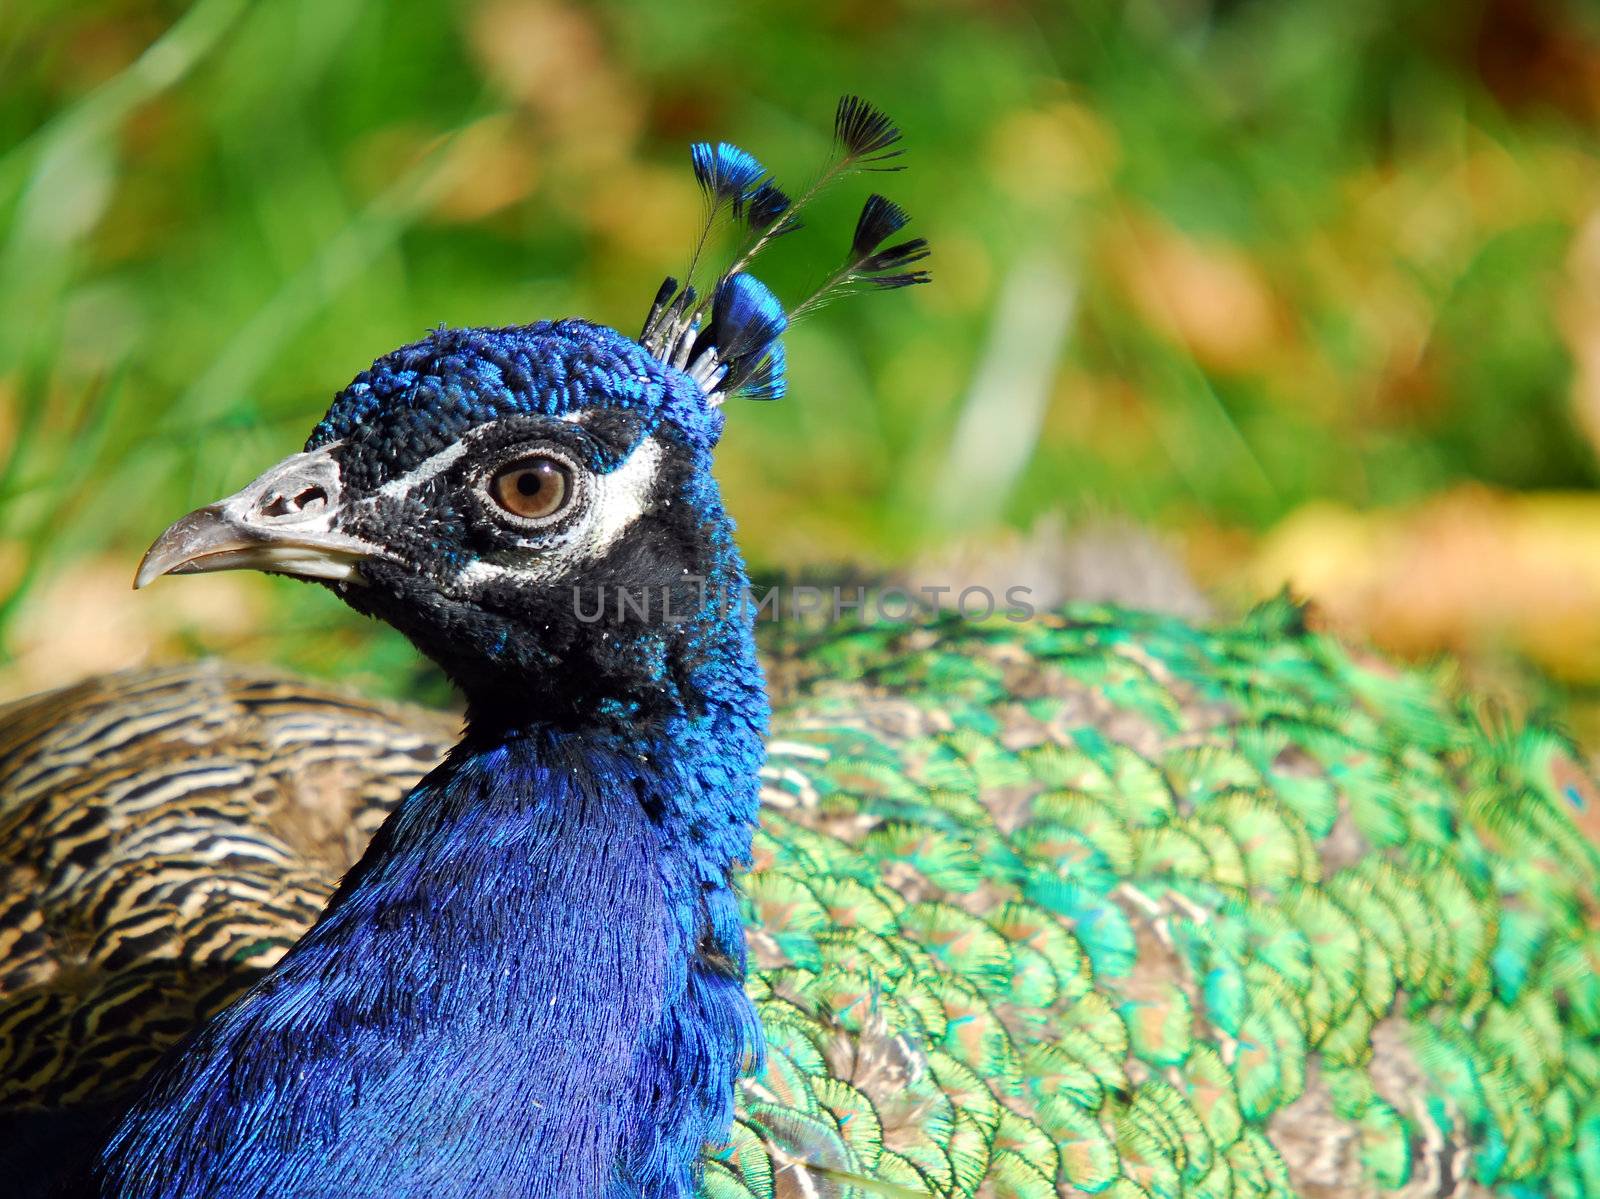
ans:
x=531 y=482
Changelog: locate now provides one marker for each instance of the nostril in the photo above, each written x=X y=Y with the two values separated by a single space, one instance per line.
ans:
x=305 y=500
x=311 y=497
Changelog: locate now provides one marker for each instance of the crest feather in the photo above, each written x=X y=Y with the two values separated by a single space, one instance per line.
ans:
x=727 y=339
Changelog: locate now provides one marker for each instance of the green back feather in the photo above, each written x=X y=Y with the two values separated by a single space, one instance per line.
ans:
x=1111 y=904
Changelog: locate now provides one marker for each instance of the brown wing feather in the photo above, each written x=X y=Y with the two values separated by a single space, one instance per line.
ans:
x=164 y=836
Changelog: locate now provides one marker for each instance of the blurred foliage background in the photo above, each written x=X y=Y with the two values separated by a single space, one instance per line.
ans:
x=1306 y=292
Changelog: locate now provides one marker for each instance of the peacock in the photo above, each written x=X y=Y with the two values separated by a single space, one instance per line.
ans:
x=1091 y=902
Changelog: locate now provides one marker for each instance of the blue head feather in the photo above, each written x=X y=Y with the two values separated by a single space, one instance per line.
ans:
x=746 y=319
x=433 y=390
x=761 y=207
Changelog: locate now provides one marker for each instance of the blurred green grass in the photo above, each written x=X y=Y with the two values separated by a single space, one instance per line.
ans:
x=1199 y=264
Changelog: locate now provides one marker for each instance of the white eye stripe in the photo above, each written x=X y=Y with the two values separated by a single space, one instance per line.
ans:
x=423 y=471
x=429 y=467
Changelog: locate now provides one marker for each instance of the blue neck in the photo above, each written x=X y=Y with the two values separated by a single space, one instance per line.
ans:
x=531 y=985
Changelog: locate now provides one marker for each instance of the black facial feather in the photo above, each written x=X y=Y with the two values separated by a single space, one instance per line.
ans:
x=513 y=624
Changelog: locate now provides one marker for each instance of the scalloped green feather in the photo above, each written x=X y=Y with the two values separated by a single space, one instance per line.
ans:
x=1183 y=850
x=969 y=1151
x=1133 y=690
x=1200 y=773
x=1273 y=845
x=1385 y=1145
x=990 y=764
x=1269 y=1068
x=798 y=1138
x=782 y=908
x=1209 y=1085
x=748 y=1158
x=1160 y=1026
x=1195 y=1149
x=1217 y=1183
x=1151 y=1154
x=1373 y=800
x=719 y=1182
x=850 y=903
x=1273 y=1170
x=1470 y=924
x=856 y=1119
x=961 y=941
x=1033 y=986
x=783 y=1079
x=945 y=862
x=1032 y=927
x=1099 y=925
x=1089 y=1159
x=1112 y=871
x=1337 y=960
x=1019 y=1135
x=1093 y=819
x=897 y=1170
x=1013 y=1176
x=968 y=1093
x=1059 y=765
x=1250 y=1178
x=1349 y=1042
x=976 y=1036
x=1286 y=773
x=866 y=952
x=1140 y=791
x=846 y=998
x=1052 y=1070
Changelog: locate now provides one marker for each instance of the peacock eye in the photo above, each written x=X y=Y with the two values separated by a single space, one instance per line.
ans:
x=532 y=488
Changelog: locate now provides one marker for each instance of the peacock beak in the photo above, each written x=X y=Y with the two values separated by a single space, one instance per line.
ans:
x=284 y=522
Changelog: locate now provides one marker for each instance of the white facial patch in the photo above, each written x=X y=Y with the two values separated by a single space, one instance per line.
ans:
x=419 y=475
x=619 y=499
x=615 y=501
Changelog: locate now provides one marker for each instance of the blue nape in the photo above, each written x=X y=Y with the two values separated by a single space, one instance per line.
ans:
x=510 y=995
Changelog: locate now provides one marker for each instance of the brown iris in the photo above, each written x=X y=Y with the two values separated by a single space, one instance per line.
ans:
x=533 y=488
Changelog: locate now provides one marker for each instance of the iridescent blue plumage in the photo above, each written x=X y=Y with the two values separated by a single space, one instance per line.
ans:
x=725 y=172
x=505 y=998
x=746 y=322
x=421 y=397
x=770 y=378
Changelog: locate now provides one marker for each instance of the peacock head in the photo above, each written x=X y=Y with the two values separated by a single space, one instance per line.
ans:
x=534 y=506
